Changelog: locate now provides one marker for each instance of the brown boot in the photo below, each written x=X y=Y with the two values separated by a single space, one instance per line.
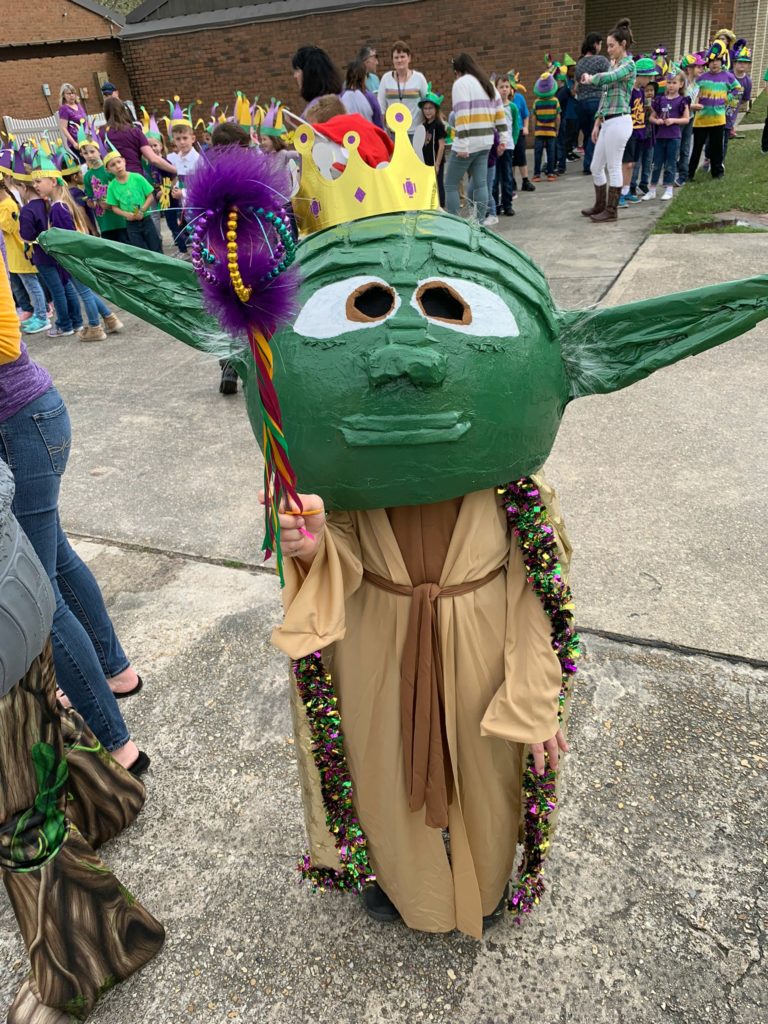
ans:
x=599 y=206
x=112 y=325
x=93 y=334
x=611 y=206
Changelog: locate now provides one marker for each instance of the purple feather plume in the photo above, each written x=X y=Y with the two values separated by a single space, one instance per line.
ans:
x=248 y=180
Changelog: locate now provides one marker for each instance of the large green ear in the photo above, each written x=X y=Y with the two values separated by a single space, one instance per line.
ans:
x=160 y=290
x=608 y=349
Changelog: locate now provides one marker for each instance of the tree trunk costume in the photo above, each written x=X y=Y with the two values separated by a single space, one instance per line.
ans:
x=61 y=796
x=422 y=383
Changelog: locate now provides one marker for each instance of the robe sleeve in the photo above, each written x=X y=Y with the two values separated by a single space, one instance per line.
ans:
x=525 y=707
x=314 y=599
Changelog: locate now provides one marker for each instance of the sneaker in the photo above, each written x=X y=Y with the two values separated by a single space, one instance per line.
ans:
x=25 y=316
x=56 y=332
x=536 y=177
x=551 y=177
x=509 y=212
x=528 y=187
x=633 y=197
x=669 y=193
x=35 y=325
x=490 y=220
x=90 y=333
x=650 y=194
x=622 y=201
x=679 y=183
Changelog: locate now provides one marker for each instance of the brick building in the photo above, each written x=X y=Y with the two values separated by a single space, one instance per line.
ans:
x=57 y=41
x=206 y=49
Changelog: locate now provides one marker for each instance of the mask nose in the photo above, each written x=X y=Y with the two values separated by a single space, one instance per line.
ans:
x=422 y=366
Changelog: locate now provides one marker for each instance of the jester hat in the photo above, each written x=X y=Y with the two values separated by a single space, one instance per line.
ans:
x=149 y=125
x=110 y=152
x=242 y=113
x=427 y=359
x=272 y=123
x=431 y=97
x=718 y=51
x=218 y=116
x=744 y=55
x=66 y=161
x=179 y=116
x=13 y=161
x=545 y=85
x=646 y=67
x=43 y=165
x=514 y=80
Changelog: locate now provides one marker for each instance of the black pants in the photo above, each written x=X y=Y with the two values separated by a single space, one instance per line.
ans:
x=764 y=142
x=116 y=235
x=713 y=137
x=143 y=234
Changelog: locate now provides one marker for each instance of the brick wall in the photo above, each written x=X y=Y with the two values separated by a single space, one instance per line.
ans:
x=50 y=21
x=722 y=15
x=680 y=25
x=257 y=58
x=21 y=80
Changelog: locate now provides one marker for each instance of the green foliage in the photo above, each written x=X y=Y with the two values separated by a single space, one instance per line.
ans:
x=744 y=187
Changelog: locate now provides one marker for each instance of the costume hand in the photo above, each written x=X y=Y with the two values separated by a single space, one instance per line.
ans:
x=595 y=133
x=552 y=747
x=294 y=542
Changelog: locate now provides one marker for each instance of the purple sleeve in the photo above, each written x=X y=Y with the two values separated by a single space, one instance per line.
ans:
x=378 y=118
x=61 y=217
x=747 y=82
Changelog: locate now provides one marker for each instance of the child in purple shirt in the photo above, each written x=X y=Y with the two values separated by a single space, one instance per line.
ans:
x=670 y=110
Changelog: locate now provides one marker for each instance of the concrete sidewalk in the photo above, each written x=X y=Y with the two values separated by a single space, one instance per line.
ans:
x=657 y=885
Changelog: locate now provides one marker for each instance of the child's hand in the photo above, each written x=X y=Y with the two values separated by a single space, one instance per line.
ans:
x=553 y=748
x=176 y=192
x=299 y=534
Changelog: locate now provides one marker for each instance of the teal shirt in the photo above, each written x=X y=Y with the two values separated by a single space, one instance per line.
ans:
x=108 y=221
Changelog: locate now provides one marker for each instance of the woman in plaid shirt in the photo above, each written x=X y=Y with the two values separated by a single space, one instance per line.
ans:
x=613 y=124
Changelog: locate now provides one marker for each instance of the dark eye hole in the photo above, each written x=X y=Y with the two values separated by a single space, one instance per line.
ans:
x=441 y=302
x=370 y=302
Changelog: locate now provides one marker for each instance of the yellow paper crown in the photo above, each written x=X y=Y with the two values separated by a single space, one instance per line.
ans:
x=404 y=184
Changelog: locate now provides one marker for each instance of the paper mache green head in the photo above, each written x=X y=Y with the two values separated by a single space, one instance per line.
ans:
x=427 y=359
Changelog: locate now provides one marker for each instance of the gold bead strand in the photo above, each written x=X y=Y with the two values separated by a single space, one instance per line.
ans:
x=241 y=291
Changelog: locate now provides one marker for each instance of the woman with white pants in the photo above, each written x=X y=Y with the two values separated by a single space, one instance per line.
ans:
x=613 y=123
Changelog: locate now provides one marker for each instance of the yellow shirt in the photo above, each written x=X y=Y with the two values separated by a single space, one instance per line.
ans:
x=10 y=335
x=18 y=263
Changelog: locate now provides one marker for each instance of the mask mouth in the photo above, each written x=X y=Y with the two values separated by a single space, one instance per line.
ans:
x=361 y=431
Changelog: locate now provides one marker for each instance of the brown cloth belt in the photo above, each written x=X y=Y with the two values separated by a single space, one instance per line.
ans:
x=428 y=775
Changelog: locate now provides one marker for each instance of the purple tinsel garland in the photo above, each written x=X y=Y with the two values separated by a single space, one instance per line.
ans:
x=528 y=519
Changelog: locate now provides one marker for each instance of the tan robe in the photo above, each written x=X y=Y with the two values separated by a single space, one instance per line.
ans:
x=501 y=680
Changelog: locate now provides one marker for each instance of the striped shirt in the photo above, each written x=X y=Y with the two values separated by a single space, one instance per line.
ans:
x=391 y=90
x=476 y=116
x=546 y=110
x=617 y=86
x=715 y=92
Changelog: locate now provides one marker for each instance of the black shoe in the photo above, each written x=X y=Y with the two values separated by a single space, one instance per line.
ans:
x=560 y=170
x=129 y=693
x=496 y=915
x=140 y=765
x=509 y=213
x=228 y=385
x=528 y=186
x=378 y=905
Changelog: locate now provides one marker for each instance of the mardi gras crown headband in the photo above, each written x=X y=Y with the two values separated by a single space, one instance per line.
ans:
x=404 y=184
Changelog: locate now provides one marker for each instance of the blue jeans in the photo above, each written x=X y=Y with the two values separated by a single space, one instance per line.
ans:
x=491 y=200
x=95 y=307
x=173 y=217
x=502 y=187
x=69 y=316
x=587 y=110
x=560 y=147
x=35 y=444
x=641 y=172
x=686 y=140
x=541 y=144
x=665 y=154
x=34 y=290
x=476 y=166
x=143 y=234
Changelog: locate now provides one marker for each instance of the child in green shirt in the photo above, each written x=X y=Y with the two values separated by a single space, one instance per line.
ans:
x=95 y=182
x=130 y=195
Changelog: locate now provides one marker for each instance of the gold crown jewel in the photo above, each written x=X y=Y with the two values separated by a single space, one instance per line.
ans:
x=404 y=184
